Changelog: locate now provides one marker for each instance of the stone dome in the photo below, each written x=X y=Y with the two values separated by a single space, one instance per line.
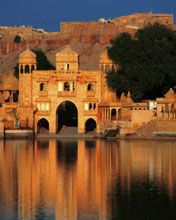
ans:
x=170 y=94
x=11 y=83
x=104 y=59
x=27 y=56
x=67 y=54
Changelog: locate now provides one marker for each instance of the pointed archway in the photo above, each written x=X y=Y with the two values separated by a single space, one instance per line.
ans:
x=90 y=125
x=66 y=115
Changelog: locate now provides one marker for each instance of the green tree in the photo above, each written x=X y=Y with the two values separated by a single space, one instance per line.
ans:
x=42 y=63
x=147 y=62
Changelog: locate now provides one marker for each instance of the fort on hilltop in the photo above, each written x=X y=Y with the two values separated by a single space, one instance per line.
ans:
x=89 y=38
x=125 y=23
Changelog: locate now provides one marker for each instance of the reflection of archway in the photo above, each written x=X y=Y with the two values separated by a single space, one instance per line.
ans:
x=90 y=125
x=113 y=114
x=67 y=115
x=42 y=126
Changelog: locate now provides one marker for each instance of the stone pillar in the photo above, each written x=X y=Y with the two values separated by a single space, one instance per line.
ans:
x=7 y=47
x=1 y=129
x=71 y=86
x=109 y=113
x=11 y=97
x=103 y=114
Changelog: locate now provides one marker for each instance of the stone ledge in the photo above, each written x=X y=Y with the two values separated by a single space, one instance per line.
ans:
x=18 y=133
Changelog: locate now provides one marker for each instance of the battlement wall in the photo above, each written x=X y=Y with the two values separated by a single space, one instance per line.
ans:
x=23 y=31
x=103 y=26
x=141 y=20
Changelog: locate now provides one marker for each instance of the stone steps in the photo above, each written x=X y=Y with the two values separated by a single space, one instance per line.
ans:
x=69 y=131
x=155 y=126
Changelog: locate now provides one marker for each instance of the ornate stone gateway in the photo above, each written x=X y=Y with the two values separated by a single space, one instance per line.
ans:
x=66 y=115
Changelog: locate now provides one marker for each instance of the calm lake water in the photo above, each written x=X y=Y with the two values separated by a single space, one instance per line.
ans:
x=132 y=180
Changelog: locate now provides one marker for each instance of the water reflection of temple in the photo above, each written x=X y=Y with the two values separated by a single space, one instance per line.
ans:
x=71 y=180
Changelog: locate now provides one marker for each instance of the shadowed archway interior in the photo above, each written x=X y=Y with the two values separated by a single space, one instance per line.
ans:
x=90 y=125
x=43 y=126
x=67 y=115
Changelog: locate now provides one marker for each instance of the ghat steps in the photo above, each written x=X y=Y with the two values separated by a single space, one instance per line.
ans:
x=159 y=125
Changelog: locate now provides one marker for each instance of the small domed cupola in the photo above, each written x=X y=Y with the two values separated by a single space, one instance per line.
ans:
x=105 y=64
x=170 y=95
x=27 y=61
x=67 y=60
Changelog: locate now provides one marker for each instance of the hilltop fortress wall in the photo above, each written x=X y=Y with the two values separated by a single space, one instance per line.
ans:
x=102 y=26
x=134 y=21
x=81 y=35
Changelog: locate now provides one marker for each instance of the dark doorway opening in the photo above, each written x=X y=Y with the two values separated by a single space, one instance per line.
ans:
x=90 y=125
x=113 y=114
x=43 y=126
x=67 y=115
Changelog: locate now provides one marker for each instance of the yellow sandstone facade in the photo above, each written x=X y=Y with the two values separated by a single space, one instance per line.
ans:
x=45 y=95
x=53 y=100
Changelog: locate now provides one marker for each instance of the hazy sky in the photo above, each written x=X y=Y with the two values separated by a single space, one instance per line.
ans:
x=48 y=13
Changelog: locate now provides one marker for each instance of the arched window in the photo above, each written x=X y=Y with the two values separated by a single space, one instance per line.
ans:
x=73 y=86
x=94 y=106
x=66 y=86
x=27 y=69
x=42 y=86
x=21 y=69
x=68 y=66
x=90 y=87
x=90 y=106
x=15 y=95
x=113 y=114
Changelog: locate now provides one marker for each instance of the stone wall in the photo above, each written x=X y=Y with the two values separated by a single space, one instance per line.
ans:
x=141 y=117
x=134 y=22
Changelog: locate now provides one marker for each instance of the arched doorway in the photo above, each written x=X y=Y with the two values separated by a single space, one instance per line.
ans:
x=90 y=125
x=67 y=115
x=43 y=126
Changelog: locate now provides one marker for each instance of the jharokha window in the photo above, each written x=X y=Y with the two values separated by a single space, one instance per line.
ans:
x=42 y=86
x=66 y=86
x=90 y=87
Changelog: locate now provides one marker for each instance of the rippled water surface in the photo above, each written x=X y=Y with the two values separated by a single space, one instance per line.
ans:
x=72 y=179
